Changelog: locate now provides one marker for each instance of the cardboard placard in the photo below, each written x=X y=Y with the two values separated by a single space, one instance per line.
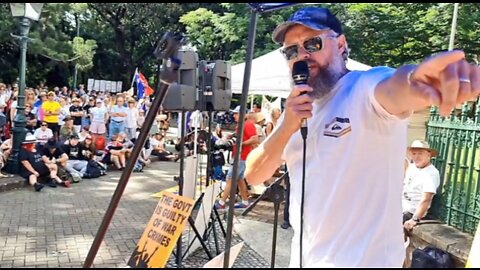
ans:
x=162 y=232
x=190 y=180
x=119 y=87
x=108 y=86
x=217 y=262
x=203 y=216
x=102 y=85
x=96 y=85
x=90 y=84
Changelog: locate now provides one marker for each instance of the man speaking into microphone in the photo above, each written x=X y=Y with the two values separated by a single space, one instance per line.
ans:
x=357 y=136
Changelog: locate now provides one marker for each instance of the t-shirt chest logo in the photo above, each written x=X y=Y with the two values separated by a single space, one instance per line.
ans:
x=337 y=127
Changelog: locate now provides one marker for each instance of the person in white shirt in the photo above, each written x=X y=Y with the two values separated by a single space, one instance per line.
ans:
x=420 y=184
x=196 y=120
x=43 y=133
x=118 y=115
x=64 y=111
x=3 y=96
x=131 y=120
x=98 y=118
x=357 y=135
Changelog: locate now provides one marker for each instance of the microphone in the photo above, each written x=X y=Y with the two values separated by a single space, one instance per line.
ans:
x=300 y=76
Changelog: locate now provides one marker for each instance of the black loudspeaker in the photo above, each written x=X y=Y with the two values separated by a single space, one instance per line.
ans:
x=214 y=81
x=180 y=97
x=183 y=95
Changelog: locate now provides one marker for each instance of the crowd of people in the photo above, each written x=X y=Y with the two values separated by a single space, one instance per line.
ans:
x=70 y=128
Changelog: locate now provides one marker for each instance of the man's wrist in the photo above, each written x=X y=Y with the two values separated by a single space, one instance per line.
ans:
x=416 y=218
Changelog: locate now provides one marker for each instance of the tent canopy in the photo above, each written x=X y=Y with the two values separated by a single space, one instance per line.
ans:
x=271 y=75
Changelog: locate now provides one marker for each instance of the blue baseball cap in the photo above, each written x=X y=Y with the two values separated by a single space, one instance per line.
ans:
x=312 y=17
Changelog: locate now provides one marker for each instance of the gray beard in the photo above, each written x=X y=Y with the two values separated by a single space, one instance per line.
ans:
x=326 y=79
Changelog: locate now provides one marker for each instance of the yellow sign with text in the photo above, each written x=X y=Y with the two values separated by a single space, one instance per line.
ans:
x=162 y=232
x=474 y=256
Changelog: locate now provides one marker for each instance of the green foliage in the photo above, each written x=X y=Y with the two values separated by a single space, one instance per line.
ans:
x=84 y=52
x=52 y=53
x=127 y=33
x=115 y=38
x=378 y=34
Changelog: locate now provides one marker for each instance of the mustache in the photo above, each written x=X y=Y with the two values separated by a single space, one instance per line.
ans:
x=325 y=80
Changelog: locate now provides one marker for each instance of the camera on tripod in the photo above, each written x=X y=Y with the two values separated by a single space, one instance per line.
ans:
x=168 y=45
x=226 y=145
x=202 y=85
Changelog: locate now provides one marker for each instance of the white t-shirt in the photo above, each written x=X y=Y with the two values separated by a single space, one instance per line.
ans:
x=155 y=143
x=3 y=99
x=64 y=112
x=196 y=119
x=132 y=116
x=43 y=136
x=98 y=114
x=418 y=181
x=353 y=182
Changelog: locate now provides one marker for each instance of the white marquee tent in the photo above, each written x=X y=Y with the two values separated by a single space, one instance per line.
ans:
x=271 y=76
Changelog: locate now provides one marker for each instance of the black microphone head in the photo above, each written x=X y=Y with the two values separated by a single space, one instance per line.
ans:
x=300 y=72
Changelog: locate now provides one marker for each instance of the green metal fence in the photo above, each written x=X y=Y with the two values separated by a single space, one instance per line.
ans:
x=457 y=138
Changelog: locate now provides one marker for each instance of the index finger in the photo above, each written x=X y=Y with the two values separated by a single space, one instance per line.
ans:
x=300 y=89
x=440 y=61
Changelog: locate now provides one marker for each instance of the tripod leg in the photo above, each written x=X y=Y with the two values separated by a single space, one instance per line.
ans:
x=211 y=228
x=220 y=222
x=215 y=237
x=192 y=223
x=188 y=249
x=252 y=205
x=265 y=193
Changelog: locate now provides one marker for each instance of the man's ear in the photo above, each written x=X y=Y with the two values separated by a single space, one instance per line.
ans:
x=343 y=47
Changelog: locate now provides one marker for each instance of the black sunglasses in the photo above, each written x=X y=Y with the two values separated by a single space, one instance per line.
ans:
x=44 y=125
x=311 y=45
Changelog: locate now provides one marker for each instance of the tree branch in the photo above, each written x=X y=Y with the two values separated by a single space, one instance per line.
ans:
x=60 y=60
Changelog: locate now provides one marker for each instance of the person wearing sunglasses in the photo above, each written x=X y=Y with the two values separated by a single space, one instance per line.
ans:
x=43 y=133
x=30 y=118
x=357 y=135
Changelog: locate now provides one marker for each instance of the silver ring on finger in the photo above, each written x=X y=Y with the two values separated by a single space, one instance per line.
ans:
x=464 y=80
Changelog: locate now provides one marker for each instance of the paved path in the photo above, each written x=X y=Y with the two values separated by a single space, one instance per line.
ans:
x=55 y=227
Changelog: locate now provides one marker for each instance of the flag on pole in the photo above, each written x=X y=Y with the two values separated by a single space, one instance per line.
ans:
x=130 y=91
x=143 y=88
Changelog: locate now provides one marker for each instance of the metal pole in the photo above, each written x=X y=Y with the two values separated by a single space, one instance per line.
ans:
x=274 y=240
x=454 y=27
x=76 y=65
x=180 y=181
x=19 y=131
x=241 y=124
x=209 y=149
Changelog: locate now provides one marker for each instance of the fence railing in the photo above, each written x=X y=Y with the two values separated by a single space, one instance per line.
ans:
x=457 y=139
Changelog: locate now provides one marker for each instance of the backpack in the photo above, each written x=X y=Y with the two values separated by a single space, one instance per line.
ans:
x=103 y=168
x=67 y=176
x=100 y=142
x=93 y=170
x=431 y=257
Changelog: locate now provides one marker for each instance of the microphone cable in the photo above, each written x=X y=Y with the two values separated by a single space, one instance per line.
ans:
x=304 y=132
x=300 y=74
